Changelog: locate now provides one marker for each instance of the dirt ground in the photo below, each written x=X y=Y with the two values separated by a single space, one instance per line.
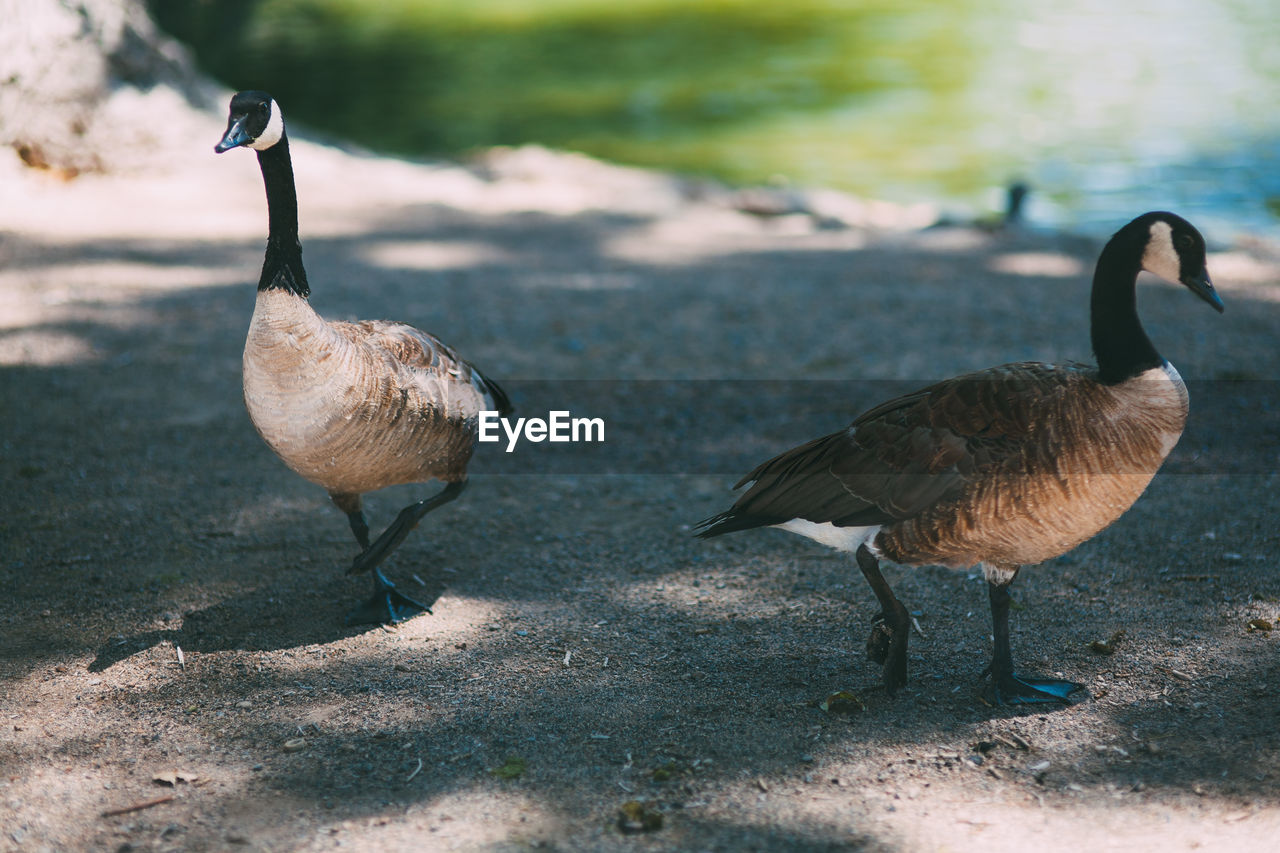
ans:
x=172 y=623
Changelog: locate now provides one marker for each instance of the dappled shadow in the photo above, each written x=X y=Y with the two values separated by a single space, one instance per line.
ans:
x=577 y=624
x=262 y=620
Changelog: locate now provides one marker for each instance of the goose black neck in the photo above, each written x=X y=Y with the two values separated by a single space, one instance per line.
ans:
x=1120 y=344
x=282 y=267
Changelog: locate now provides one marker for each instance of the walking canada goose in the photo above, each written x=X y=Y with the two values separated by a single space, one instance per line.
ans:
x=353 y=407
x=1000 y=468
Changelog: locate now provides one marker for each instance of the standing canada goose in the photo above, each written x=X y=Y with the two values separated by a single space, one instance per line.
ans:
x=353 y=407
x=1003 y=467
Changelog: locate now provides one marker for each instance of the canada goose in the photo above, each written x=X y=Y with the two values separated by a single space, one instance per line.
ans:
x=353 y=407
x=1003 y=467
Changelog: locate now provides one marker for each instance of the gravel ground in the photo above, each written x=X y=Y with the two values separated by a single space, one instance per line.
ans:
x=172 y=638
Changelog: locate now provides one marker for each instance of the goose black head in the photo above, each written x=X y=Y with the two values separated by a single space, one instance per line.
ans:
x=255 y=122
x=1175 y=251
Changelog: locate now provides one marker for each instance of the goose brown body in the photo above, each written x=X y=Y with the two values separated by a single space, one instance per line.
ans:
x=356 y=407
x=1009 y=466
x=353 y=407
x=1032 y=496
x=1005 y=467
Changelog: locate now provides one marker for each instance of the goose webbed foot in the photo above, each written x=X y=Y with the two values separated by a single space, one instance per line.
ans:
x=887 y=646
x=880 y=640
x=386 y=606
x=1012 y=689
x=1008 y=688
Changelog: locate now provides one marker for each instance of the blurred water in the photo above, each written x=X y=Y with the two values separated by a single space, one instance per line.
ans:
x=1116 y=107
x=1105 y=108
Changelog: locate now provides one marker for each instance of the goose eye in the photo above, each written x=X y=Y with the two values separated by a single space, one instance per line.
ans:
x=1184 y=241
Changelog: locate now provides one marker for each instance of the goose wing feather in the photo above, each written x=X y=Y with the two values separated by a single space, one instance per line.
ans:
x=910 y=454
x=425 y=355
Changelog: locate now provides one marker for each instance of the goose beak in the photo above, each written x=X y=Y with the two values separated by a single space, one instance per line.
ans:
x=1202 y=287
x=235 y=136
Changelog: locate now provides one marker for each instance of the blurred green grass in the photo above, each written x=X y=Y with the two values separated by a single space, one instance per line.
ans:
x=726 y=88
x=1104 y=108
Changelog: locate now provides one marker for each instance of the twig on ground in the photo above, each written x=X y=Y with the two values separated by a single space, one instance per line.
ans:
x=1176 y=673
x=137 y=807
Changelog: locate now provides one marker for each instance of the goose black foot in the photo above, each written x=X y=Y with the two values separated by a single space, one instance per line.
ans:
x=386 y=606
x=1012 y=689
x=1006 y=687
x=887 y=646
x=880 y=640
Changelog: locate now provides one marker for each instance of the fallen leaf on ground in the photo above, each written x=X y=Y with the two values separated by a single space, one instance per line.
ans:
x=634 y=816
x=173 y=777
x=668 y=771
x=512 y=768
x=842 y=702
x=1107 y=647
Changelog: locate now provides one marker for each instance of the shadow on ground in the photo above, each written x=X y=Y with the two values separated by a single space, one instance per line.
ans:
x=578 y=628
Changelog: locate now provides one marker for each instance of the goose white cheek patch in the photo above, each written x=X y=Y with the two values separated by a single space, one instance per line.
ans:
x=1161 y=257
x=272 y=132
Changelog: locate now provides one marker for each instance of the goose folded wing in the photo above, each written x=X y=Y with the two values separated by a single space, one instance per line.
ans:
x=428 y=358
x=907 y=455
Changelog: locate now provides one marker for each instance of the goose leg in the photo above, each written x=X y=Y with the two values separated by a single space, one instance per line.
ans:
x=1008 y=688
x=888 y=642
x=359 y=527
x=395 y=533
x=353 y=506
x=387 y=605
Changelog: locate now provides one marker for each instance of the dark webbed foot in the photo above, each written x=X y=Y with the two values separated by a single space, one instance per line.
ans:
x=887 y=646
x=386 y=606
x=1013 y=689
x=1008 y=688
x=880 y=640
